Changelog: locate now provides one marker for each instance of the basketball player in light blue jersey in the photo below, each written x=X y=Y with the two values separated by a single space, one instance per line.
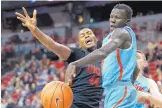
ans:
x=118 y=53
x=146 y=85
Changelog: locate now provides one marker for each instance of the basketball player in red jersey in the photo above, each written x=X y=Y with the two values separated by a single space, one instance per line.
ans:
x=86 y=85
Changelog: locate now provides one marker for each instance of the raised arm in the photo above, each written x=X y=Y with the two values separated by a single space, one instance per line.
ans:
x=60 y=50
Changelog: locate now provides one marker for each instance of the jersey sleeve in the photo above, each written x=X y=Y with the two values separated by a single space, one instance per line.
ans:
x=76 y=53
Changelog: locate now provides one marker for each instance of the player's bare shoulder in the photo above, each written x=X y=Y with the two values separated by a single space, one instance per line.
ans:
x=121 y=33
x=152 y=83
x=122 y=36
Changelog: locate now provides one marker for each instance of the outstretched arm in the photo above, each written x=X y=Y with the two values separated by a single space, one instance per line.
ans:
x=60 y=50
x=154 y=89
x=117 y=39
x=154 y=97
x=146 y=97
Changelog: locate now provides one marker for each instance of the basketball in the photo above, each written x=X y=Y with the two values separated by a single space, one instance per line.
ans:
x=56 y=94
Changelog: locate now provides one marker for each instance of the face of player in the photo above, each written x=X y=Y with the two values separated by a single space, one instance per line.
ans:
x=118 y=18
x=87 y=39
x=140 y=61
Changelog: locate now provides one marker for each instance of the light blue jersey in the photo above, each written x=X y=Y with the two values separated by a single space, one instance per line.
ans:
x=117 y=75
x=120 y=64
x=141 y=84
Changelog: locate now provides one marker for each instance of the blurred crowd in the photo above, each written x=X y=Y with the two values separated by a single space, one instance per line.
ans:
x=21 y=88
x=153 y=68
x=31 y=71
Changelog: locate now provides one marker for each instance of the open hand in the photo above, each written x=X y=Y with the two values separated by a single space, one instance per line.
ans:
x=26 y=20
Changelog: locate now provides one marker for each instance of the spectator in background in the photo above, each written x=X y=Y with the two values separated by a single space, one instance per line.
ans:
x=2 y=90
x=22 y=98
x=26 y=40
x=17 y=69
x=10 y=87
x=52 y=70
x=33 y=61
x=10 y=103
x=3 y=103
x=16 y=95
x=16 y=39
x=27 y=103
x=35 y=101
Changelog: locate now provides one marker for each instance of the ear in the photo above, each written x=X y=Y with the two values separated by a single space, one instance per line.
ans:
x=128 y=21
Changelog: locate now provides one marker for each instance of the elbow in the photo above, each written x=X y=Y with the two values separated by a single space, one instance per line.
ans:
x=104 y=56
x=143 y=97
x=102 y=53
x=63 y=58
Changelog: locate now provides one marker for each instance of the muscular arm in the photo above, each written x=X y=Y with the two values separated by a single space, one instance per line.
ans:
x=60 y=50
x=146 y=97
x=154 y=97
x=154 y=89
x=156 y=101
x=117 y=39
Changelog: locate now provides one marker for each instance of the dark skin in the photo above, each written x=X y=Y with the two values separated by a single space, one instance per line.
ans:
x=119 y=39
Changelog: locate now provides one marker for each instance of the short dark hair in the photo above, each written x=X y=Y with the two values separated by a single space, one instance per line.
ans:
x=127 y=9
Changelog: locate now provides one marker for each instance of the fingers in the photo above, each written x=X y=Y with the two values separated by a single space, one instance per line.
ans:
x=67 y=79
x=23 y=20
x=25 y=12
x=23 y=24
x=74 y=72
x=34 y=13
x=71 y=71
x=68 y=76
x=20 y=15
x=70 y=83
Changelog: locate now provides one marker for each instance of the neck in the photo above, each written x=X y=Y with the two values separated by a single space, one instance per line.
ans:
x=140 y=74
x=91 y=49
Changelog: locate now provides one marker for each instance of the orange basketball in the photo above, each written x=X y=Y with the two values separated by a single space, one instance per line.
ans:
x=56 y=94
